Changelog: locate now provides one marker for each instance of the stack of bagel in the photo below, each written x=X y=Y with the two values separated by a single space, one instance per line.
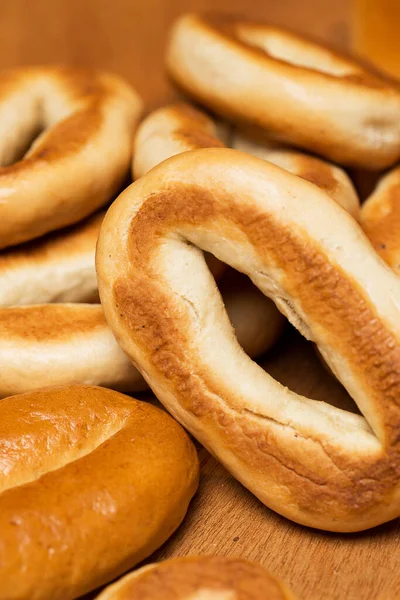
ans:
x=241 y=215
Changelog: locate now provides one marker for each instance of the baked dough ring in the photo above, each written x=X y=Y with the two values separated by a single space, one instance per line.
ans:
x=81 y=159
x=330 y=178
x=180 y=127
x=380 y=218
x=65 y=343
x=61 y=344
x=314 y=463
x=56 y=268
x=296 y=91
x=91 y=483
x=199 y=578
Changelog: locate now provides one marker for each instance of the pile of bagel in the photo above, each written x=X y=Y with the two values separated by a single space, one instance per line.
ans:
x=242 y=215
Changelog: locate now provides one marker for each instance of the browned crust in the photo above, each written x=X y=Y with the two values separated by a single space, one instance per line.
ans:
x=328 y=136
x=96 y=100
x=380 y=219
x=56 y=246
x=318 y=172
x=69 y=135
x=327 y=295
x=182 y=578
x=94 y=518
x=52 y=323
x=229 y=27
x=194 y=129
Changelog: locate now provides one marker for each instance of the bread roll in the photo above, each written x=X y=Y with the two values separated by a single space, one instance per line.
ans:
x=199 y=578
x=91 y=483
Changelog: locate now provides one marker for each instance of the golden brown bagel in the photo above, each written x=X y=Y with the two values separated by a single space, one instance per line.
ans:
x=79 y=161
x=330 y=178
x=380 y=218
x=92 y=482
x=314 y=463
x=56 y=268
x=61 y=344
x=199 y=578
x=294 y=90
x=179 y=128
x=168 y=131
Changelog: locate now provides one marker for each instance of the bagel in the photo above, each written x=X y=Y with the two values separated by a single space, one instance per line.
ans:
x=311 y=462
x=56 y=268
x=61 y=344
x=199 y=578
x=330 y=178
x=180 y=128
x=380 y=218
x=294 y=90
x=92 y=482
x=168 y=131
x=80 y=160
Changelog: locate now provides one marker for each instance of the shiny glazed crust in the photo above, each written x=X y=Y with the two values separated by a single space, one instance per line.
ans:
x=290 y=88
x=91 y=483
x=199 y=578
x=88 y=119
x=314 y=463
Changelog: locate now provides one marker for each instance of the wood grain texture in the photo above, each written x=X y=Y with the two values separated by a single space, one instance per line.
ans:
x=128 y=37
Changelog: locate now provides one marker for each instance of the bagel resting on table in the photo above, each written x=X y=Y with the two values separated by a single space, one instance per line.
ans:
x=311 y=462
x=292 y=89
x=79 y=160
x=91 y=483
x=179 y=128
x=199 y=578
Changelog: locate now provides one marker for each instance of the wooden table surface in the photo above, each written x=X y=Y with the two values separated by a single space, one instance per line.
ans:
x=128 y=37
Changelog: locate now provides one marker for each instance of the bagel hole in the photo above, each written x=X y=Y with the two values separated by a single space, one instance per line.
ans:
x=22 y=146
x=291 y=359
x=294 y=362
